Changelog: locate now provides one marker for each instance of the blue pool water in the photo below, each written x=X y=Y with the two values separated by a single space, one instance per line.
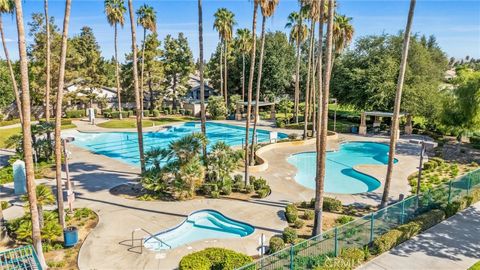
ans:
x=200 y=225
x=340 y=175
x=124 y=145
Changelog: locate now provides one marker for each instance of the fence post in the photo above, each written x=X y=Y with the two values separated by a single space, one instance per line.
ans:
x=468 y=183
x=402 y=217
x=336 y=242
x=291 y=257
x=450 y=191
x=372 y=219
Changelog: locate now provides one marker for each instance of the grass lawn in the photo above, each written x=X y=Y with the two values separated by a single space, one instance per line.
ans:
x=131 y=122
x=475 y=266
x=6 y=133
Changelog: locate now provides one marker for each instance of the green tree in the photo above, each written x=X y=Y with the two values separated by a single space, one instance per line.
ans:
x=217 y=108
x=224 y=22
x=44 y=197
x=115 y=10
x=244 y=44
x=153 y=66
x=147 y=18
x=178 y=64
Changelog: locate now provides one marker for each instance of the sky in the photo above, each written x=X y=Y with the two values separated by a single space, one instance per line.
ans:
x=455 y=23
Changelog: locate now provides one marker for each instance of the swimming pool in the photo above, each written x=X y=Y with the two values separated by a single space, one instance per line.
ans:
x=124 y=145
x=340 y=175
x=200 y=225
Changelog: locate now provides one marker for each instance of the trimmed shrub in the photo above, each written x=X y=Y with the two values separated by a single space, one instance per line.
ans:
x=217 y=108
x=214 y=258
x=308 y=214
x=208 y=188
x=215 y=194
x=276 y=244
x=332 y=205
x=156 y=113
x=238 y=186
x=430 y=219
x=453 y=207
x=227 y=190
x=289 y=235
x=4 y=205
x=259 y=183
x=291 y=213
x=75 y=114
x=298 y=224
x=249 y=189
x=263 y=192
x=355 y=255
x=344 y=219
x=387 y=241
x=238 y=178
x=146 y=113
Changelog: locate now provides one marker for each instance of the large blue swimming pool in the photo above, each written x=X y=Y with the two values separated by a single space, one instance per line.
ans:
x=200 y=225
x=340 y=175
x=124 y=145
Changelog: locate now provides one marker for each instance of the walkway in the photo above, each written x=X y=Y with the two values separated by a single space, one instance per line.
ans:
x=452 y=244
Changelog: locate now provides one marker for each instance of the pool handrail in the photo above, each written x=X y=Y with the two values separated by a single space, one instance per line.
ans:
x=151 y=235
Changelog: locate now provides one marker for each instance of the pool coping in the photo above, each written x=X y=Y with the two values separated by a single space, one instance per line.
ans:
x=183 y=222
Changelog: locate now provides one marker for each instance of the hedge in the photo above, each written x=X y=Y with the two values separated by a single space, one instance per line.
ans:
x=214 y=258
x=291 y=213
x=396 y=236
x=276 y=244
x=75 y=114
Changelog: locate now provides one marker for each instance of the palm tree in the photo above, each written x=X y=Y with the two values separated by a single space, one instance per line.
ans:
x=47 y=71
x=342 y=32
x=147 y=18
x=27 y=134
x=224 y=22
x=115 y=9
x=44 y=197
x=7 y=6
x=267 y=8
x=250 y=87
x=320 y=170
x=135 y=87
x=58 y=115
x=203 y=117
x=244 y=45
x=398 y=102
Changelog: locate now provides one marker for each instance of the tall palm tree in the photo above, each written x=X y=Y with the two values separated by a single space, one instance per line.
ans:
x=7 y=6
x=342 y=32
x=224 y=22
x=47 y=63
x=298 y=34
x=27 y=134
x=320 y=170
x=202 y=84
x=135 y=86
x=44 y=197
x=58 y=115
x=115 y=10
x=250 y=87
x=244 y=45
x=147 y=18
x=267 y=8
x=398 y=102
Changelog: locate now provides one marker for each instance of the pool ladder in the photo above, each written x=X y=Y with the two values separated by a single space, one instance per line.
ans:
x=149 y=233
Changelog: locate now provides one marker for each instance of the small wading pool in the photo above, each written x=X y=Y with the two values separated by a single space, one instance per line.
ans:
x=123 y=146
x=341 y=177
x=200 y=225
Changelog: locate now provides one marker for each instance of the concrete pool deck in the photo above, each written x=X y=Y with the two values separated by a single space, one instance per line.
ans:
x=109 y=245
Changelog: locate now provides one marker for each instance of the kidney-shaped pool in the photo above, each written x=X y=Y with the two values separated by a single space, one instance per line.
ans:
x=341 y=177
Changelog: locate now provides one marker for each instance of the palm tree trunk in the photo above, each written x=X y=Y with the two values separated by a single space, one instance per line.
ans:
x=47 y=87
x=297 y=82
x=142 y=70
x=221 y=68
x=27 y=135
x=243 y=77
x=309 y=68
x=202 y=84
x=257 y=93
x=150 y=90
x=135 y=87
x=58 y=117
x=319 y=181
x=40 y=216
x=398 y=102
x=250 y=88
x=225 y=78
x=117 y=73
x=18 y=102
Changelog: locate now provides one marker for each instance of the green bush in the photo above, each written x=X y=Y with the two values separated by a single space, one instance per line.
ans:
x=217 y=108
x=332 y=205
x=156 y=113
x=289 y=235
x=215 y=194
x=387 y=241
x=291 y=213
x=430 y=165
x=75 y=114
x=214 y=258
x=344 y=219
x=263 y=192
x=308 y=214
x=227 y=190
x=146 y=113
x=208 y=188
x=453 y=207
x=259 y=183
x=276 y=244
x=4 y=205
x=238 y=186
x=238 y=178
x=298 y=224
x=355 y=255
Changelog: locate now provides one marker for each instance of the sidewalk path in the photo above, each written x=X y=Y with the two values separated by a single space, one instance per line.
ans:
x=452 y=244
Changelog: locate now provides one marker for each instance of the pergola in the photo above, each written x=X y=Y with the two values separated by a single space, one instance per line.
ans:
x=378 y=118
x=241 y=104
